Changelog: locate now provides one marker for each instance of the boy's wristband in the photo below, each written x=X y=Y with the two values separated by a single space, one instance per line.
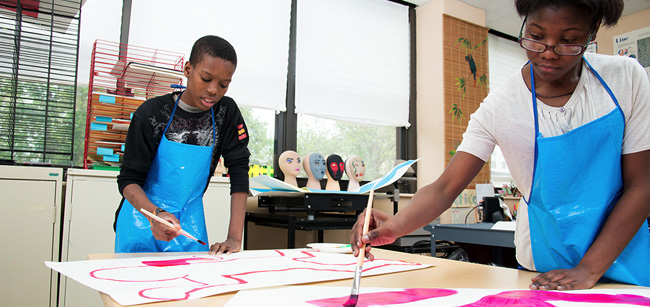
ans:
x=155 y=212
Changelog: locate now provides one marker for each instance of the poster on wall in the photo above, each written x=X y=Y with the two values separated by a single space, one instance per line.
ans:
x=635 y=44
x=465 y=73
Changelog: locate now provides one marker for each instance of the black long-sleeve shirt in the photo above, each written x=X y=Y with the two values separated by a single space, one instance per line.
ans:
x=148 y=124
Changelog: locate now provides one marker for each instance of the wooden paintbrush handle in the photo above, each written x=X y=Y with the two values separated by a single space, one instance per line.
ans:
x=168 y=224
x=366 y=226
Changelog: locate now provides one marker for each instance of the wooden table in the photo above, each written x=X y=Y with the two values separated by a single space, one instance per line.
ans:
x=443 y=273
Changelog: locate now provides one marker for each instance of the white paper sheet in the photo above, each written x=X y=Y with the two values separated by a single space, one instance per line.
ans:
x=502 y=225
x=483 y=190
x=299 y=296
x=144 y=280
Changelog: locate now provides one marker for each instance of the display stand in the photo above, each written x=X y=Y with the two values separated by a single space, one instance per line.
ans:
x=320 y=211
x=122 y=77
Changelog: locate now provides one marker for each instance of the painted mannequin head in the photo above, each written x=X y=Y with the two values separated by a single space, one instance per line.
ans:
x=316 y=165
x=289 y=163
x=355 y=168
x=335 y=167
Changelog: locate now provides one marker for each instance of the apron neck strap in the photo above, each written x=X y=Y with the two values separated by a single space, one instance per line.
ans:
x=214 y=126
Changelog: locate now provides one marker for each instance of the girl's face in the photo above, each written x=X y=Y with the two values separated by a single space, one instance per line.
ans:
x=557 y=26
x=207 y=81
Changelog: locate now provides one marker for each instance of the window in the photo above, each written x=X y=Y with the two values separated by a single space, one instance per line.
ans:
x=101 y=20
x=375 y=145
x=38 y=48
x=352 y=79
x=508 y=56
x=259 y=31
x=260 y=123
x=260 y=85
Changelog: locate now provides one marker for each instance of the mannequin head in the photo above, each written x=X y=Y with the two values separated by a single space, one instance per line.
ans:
x=335 y=167
x=314 y=165
x=289 y=163
x=355 y=168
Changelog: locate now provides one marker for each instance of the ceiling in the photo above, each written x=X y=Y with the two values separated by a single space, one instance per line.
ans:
x=501 y=14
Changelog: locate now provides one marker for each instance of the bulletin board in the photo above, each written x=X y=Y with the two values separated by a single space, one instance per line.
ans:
x=635 y=44
x=465 y=73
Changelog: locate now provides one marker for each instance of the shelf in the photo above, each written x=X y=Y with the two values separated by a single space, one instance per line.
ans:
x=122 y=78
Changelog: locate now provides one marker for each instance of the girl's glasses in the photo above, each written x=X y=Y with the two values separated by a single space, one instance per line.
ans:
x=537 y=46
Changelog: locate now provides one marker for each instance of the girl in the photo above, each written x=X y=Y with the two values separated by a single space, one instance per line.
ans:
x=573 y=128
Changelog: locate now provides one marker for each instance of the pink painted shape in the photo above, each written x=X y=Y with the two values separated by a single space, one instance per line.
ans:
x=237 y=278
x=386 y=298
x=174 y=262
x=539 y=299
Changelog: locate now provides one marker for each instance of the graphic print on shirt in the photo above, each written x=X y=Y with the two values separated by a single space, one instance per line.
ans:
x=194 y=131
x=159 y=126
x=241 y=131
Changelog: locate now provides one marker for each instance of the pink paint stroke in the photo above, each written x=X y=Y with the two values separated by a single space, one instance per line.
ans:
x=528 y=298
x=386 y=298
x=236 y=278
x=539 y=299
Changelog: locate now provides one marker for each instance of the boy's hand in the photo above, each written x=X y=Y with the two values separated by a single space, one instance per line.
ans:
x=228 y=247
x=162 y=232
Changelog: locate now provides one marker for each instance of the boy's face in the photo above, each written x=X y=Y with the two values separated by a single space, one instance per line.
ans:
x=207 y=81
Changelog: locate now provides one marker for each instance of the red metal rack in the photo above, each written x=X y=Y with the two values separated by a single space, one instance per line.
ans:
x=121 y=78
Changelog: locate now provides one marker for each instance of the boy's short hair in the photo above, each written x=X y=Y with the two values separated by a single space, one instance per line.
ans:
x=214 y=46
x=607 y=11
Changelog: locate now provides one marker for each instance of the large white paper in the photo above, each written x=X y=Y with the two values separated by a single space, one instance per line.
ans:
x=299 y=296
x=152 y=279
x=260 y=185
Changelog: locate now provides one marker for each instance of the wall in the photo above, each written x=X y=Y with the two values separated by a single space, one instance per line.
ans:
x=430 y=93
x=626 y=24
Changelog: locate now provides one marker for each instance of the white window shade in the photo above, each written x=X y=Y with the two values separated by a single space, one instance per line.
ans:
x=258 y=29
x=506 y=58
x=352 y=61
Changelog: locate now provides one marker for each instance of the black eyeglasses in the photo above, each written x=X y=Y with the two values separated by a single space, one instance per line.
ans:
x=539 y=47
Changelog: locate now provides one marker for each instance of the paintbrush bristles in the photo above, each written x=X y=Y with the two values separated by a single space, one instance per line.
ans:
x=352 y=301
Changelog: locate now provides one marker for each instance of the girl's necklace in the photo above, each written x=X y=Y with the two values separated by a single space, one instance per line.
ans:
x=569 y=93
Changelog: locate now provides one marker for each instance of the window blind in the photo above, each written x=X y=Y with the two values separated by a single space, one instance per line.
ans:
x=258 y=29
x=352 y=61
x=506 y=58
x=38 y=63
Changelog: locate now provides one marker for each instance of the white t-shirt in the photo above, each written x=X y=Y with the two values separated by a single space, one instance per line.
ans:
x=505 y=118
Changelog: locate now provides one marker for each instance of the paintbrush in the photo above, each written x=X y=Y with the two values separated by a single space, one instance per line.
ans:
x=170 y=225
x=356 y=281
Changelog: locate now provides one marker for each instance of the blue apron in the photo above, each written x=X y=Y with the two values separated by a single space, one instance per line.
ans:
x=176 y=182
x=577 y=180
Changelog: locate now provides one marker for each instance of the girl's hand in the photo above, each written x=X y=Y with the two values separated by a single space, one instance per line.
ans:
x=564 y=279
x=228 y=247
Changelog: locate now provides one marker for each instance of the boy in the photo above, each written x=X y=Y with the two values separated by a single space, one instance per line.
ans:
x=172 y=148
